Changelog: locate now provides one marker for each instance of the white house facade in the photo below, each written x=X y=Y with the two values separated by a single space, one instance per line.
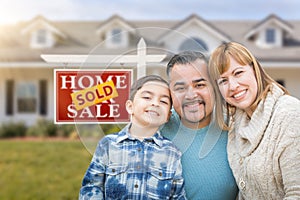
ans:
x=27 y=82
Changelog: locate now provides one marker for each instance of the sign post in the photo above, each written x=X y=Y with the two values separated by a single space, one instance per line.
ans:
x=85 y=96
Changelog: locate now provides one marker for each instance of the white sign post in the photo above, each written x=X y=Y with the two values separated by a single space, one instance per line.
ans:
x=140 y=59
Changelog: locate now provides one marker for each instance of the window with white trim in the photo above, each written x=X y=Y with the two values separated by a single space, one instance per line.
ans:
x=41 y=36
x=26 y=95
x=195 y=44
x=116 y=36
x=270 y=35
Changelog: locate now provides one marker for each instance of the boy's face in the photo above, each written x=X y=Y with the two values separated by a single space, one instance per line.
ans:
x=151 y=105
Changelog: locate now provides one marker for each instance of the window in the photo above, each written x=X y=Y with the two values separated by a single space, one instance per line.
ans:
x=116 y=36
x=41 y=36
x=193 y=44
x=26 y=97
x=270 y=35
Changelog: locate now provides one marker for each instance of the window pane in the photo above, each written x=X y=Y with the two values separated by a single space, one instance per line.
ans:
x=116 y=36
x=270 y=35
x=41 y=36
x=195 y=44
x=26 y=97
x=26 y=105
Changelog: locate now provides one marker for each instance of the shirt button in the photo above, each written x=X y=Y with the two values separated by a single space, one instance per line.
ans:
x=139 y=149
x=113 y=170
x=160 y=174
x=136 y=185
x=138 y=167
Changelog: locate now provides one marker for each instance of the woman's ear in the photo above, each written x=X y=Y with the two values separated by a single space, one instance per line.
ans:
x=129 y=107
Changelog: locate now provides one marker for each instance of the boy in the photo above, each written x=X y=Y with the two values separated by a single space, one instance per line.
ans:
x=137 y=162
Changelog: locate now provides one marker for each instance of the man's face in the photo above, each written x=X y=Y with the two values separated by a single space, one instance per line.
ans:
x=192 y=93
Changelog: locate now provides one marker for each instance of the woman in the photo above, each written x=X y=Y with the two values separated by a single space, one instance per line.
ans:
x=263 y=122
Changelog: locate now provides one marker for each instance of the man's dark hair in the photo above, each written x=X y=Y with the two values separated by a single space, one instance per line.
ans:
x=138 y=84
x=184 y=58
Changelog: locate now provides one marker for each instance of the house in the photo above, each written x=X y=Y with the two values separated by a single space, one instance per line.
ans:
x=27 y=83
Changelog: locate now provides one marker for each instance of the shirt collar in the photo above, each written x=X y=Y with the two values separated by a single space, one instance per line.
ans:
x=158 y=138
x=124 y=134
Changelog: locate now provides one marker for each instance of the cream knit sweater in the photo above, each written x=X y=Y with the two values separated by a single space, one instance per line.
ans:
x=264 y=152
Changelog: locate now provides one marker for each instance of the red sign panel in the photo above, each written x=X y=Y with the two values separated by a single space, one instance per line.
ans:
x=78 y=81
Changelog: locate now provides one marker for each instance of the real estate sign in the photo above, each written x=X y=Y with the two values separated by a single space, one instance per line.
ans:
x=91 y=96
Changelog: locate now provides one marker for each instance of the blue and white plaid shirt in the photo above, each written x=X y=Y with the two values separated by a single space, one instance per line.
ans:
x=126 y=168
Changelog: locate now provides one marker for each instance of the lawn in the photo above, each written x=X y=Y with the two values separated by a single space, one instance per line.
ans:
x=37 y=170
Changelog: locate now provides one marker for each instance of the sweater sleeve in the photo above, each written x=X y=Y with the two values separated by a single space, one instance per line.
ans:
x=289 y=160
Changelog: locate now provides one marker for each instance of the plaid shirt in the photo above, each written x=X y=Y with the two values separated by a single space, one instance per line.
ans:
x=126 y=168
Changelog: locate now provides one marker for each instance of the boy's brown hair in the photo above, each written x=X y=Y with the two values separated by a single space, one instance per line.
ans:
x=138 y=84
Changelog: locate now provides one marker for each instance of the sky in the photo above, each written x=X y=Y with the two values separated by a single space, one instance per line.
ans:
x=12 y=11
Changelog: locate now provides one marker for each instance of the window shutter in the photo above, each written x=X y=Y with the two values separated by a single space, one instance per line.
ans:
x=43 y=97
x=9 y=97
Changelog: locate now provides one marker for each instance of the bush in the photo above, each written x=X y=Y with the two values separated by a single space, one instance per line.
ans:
x=47 y=128
x=111 y=128
x=13 y=129
x=97 y=130
x=66 y=130
x=43 y=128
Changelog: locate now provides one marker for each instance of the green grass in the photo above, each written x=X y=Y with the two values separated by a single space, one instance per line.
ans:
x=41 y=169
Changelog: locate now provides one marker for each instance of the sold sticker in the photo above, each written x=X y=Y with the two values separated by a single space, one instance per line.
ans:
x=94 y=95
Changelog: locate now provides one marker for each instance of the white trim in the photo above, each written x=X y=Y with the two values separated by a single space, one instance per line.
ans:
x=140 y=59
x=49 y=40
x=25 y=64
x=278 y=65
x=44 y=24
x=69 y=65
x=115 y=23
x=180 y=29
x=267 y=23
x=73 y=59
x=47 y=64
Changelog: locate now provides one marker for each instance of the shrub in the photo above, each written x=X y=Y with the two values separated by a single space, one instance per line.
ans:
x=111 y=128
x=13 y=129
x=43 y=128
x=97 y=130
x=65 y=130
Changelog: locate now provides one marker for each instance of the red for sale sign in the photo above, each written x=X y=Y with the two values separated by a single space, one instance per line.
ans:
x=91 y=96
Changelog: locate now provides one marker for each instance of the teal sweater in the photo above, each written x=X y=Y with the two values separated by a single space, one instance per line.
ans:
x=206 y=176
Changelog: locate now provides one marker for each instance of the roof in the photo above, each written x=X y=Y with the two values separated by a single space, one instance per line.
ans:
x=81 y=37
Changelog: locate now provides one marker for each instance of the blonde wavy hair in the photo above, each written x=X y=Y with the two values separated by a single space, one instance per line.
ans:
x=219 y=63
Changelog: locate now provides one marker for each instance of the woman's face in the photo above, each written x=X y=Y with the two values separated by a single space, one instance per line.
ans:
x=238 y=85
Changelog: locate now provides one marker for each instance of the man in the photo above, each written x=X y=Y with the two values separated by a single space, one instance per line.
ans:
x=204 y=161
